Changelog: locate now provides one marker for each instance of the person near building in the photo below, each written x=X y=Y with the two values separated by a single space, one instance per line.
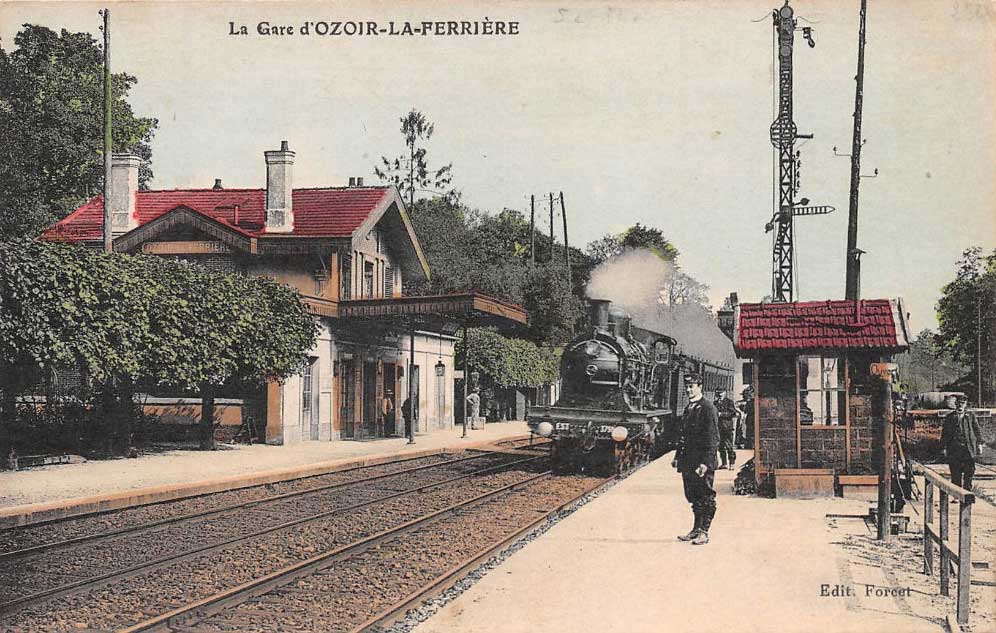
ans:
x=727 y=412
x=746 y=404
x=406 y=413
x=696 y=460
x=386 y=414
x=961 y=438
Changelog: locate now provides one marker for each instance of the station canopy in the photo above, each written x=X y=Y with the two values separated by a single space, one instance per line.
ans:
x=444 y=314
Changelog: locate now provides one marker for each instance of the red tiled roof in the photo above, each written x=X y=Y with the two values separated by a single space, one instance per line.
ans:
x=333 y=212
x=785 y=327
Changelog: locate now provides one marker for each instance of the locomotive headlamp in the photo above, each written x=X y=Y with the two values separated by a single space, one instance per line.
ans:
x=620 y=433
x=592 y=349
x=545 y=429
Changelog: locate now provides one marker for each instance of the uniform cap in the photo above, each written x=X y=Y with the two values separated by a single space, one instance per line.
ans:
x=693 y=379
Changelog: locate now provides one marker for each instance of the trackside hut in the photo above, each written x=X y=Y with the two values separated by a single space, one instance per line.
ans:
x=336 y=245
x=817 y=408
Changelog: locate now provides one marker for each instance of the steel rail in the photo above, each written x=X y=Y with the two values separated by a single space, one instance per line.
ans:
x=212 y=605
x=129 y=572
x=138 y=529
x=392 y=614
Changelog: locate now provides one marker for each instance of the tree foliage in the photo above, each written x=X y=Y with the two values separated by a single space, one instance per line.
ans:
x=51 y=123
x=410 y=172
x=469 y=250
x=967 y=316
x=928 y=366
x=126 y=321
x=508 y=362
x=635 y=237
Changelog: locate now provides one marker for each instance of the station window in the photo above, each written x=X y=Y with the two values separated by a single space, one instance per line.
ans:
x=368 y=280
x=822 y=391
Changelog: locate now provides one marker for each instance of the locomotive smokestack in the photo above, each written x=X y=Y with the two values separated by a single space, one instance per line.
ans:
x=598 y=313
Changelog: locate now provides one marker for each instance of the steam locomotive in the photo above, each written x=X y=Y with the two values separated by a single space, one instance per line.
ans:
x=622 y=390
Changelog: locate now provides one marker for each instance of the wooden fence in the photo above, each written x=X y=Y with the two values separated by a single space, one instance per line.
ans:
x=963 y=559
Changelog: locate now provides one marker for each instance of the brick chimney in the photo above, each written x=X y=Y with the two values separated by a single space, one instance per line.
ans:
x=124 y=185
x=279 y=189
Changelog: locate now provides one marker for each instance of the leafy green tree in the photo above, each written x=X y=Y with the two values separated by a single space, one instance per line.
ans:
x=508 y=362
x=128 y=321
x=51 y=123
x=64 y=306
x=928 y=366
x=214 y=330
x=553 y=308
x=410 y=172
x=967 y=316
x=635 y=237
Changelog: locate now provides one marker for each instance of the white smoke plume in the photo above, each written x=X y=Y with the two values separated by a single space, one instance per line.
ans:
x=663 y=299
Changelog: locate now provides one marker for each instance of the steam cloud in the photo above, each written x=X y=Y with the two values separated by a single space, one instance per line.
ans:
x=643 y=284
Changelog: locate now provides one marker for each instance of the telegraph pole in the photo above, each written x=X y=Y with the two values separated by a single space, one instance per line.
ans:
x=108 y=235
x=532 y=230
x=567 y=251
x=851 y=291
x=551 y=226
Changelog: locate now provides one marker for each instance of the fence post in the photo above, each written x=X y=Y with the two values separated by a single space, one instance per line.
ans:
x=945 y=556
x=964 y=561
x=928 y=520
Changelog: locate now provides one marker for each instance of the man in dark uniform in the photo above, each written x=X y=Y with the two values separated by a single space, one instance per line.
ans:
x=696 y=458
x=727 y=411
x=747 y=406
x=961 y=438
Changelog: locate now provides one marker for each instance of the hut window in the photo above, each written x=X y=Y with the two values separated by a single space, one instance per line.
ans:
x=822 y=396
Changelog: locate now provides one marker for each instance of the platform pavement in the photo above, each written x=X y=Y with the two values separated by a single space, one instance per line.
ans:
x=49 y=486
x=616 y=566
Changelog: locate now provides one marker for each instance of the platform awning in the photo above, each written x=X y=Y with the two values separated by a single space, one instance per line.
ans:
x=469 y=309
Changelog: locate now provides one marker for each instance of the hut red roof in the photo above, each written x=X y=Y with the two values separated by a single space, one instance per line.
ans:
x=879 y=324
x=328 y=212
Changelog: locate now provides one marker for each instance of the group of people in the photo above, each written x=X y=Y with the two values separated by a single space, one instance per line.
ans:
x=736 y=424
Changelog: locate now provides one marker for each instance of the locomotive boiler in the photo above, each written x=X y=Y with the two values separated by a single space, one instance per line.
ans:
x=620 y=393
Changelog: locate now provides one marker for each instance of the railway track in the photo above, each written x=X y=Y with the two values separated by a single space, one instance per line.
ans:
x=22 y=540
x=372 y=582
x=39 y=576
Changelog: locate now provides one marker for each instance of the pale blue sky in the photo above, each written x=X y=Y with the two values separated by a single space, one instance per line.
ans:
x=640 y=112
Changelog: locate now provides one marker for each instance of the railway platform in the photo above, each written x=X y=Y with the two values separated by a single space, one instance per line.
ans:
x=615 y=565
x=50 y=492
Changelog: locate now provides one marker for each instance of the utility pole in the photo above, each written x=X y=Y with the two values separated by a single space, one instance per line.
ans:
x=978 y=340
x=532 y=230
x=551 y=226
x=883 y=389
x=108 y=235
x=567 y=251
x=851 y=290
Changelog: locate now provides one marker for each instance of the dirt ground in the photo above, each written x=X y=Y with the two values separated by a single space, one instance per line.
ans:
x=902 y=559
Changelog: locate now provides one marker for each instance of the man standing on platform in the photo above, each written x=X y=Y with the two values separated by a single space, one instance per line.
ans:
x=961 y=438
x=696 y=459
x=727 y=411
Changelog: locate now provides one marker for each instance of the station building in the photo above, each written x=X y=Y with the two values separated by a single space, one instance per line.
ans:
x=349 y=251
x=819 y=410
